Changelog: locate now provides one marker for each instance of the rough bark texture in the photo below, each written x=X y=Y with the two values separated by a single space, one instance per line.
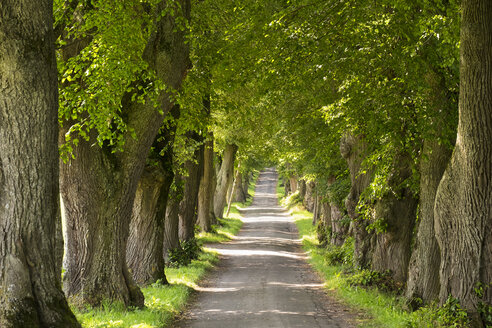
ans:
x=239 y=195
x=301 y=186
x=206 y=191
x=353 y=149
x=339 y=229
x=324 y=224
x=310 y=196
x=144 y=249
x=293 y=184
x=144 y=252
x=224 y=179
x=287 y=189
x=98 y=186
x=30 y=268
x=423 y=276
x=463 y=209
x=397 y=209
x=171 y=223
x=189 y=204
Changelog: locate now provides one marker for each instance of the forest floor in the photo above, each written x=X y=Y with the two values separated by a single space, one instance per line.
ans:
x=263 y=279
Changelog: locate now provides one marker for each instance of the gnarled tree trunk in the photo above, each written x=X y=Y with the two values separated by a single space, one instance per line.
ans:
x=171 y=222
x=189 y=204
x=339 y=229
x=463 y=208
x=98 y=186
x=206 y=190
x=397 y=209
x=309 y=196
x=224 y=179
x=144 y=252
x=30 y=267
x=353 y=149
x=239 y=195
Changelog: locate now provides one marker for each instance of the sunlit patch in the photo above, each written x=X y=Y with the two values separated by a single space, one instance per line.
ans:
x=250 y=252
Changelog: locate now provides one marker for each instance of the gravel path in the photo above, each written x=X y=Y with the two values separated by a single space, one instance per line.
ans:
x=262 y=279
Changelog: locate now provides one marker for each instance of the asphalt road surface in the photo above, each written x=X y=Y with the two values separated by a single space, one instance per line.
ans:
x=263 y=279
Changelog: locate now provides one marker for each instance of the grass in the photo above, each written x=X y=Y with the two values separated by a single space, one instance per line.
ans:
x=164 y=303
x=380 y=309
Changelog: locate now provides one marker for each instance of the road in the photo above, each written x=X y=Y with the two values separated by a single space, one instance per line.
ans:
x=263 y=279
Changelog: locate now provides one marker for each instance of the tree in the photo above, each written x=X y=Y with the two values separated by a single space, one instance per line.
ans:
x=30 y=222
x=99 y=183
x=463 y=208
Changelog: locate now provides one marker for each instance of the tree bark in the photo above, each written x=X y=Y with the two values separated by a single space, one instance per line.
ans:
x=98 y=186
x=353 y=149
x=239 y=195
x=224 y=179
x=324 y=225
x=189 y=204
x=301 y=185
x=144 y=252
x=171 y=223
x=309 y=196
x=30 y=267
x=293 y=183
x=423 y=275
x=463 y=208
x=339 y=229
x=397 y=209
x=206 y=190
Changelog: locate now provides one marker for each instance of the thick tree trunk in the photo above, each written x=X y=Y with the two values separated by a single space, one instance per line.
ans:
x=224 y=179
x=324 y=225
x=98 y=186
x=233 y=191
x=293 y=183
x=423 y=276
x=206 y=190
x=239 y=195
x=171 y=222
x=309 y=196
x=339 y=229
x=30 y=268
x=287 y=188
x=144 y=252
x=189 y=204
x=246 y=185
x=301 y=186
x=397 y=209
x=353 y=149
x=463 y=208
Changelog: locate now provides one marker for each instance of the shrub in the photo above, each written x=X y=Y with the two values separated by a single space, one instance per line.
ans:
x=381 y=280
x=450 y=314
x=184 y=254
x=344 y=254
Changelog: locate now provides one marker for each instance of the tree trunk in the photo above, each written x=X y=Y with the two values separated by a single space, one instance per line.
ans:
x=239 y=195
x=246 y=185
x=309 y=196
x=397 y=209
x=224 y=179
x=463 y=208
x=98 y=186
x=189 y=204
x=339 y=229
x=353 y=149
x=171 y=222
x=30 y=267
x=205 y=194
x=301 y=185
x=293 y=184
x=423 y=276
x=144 y=252
x=323 y=229
x=287 y=188
x=233 y=191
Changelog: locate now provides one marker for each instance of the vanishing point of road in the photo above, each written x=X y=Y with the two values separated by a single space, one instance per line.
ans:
x=263 y=279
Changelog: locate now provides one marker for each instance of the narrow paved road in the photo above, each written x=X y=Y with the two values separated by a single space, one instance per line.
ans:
x=263 y=279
